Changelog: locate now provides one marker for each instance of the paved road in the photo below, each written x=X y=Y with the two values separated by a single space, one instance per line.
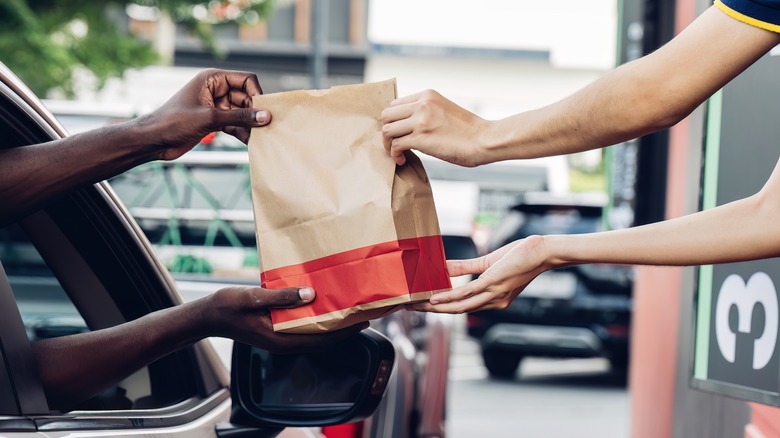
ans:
x=548 y=398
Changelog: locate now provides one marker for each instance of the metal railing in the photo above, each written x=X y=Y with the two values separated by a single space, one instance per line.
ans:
x=201 y=200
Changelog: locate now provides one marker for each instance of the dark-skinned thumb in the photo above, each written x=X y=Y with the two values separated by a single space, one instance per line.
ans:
x=242 y=117
x=288 y=297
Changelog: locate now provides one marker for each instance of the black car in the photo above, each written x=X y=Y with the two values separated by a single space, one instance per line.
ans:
x=578 y=311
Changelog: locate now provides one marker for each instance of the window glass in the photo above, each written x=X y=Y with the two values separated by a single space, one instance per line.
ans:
x=48 y=312
x=281 y=24
x=45 y=307
x=339 y=21
x=197 y=213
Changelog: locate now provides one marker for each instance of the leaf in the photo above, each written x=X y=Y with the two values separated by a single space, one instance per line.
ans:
x=45 y=41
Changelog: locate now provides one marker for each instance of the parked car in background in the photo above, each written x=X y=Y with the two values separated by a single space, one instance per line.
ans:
x=470 y=200
x=578 y=311
x=82 y=263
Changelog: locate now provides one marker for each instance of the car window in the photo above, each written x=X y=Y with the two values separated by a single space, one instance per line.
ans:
x=48 y=312
x=197 y=211
x=103 y=271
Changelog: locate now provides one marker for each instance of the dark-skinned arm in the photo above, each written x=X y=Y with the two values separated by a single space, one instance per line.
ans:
x=76 y=367
x=214 y=100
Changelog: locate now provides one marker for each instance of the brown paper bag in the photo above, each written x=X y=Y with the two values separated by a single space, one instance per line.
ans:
x=334 y=212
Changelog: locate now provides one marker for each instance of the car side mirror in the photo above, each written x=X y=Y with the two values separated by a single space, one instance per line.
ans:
x=340 y=384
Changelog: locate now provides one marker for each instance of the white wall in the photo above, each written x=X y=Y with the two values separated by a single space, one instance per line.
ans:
x=580 y=37
x=492 y=88
x=577 y=33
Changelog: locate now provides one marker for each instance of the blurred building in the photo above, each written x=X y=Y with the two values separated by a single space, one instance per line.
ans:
x=495 y=57
x=280 y=49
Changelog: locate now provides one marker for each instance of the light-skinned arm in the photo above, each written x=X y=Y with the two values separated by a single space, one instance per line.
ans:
x=637 y=98
x=746 y=229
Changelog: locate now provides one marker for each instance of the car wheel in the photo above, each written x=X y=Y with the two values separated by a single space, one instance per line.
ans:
x=501 y=364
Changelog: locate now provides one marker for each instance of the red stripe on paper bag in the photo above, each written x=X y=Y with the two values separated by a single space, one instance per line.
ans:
x=364 y=275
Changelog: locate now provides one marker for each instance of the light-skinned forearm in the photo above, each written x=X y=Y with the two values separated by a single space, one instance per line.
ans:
x=725 y=234
x=643 y=96
x=745 y=229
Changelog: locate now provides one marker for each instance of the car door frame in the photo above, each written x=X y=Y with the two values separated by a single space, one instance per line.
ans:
x=23 y=401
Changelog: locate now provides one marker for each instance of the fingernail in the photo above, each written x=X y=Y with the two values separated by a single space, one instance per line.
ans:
x=434 y=300
x=306 y=293
x=262 y=117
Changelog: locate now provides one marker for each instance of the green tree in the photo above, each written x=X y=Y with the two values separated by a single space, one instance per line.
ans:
x=45 y=41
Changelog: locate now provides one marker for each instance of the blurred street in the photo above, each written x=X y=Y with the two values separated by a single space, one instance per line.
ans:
x=548 y=398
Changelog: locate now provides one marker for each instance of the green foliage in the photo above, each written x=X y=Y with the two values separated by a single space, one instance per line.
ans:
x=45 y=41
x=187 y=263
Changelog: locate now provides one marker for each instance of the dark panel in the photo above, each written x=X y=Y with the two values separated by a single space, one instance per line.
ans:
x=20 y=363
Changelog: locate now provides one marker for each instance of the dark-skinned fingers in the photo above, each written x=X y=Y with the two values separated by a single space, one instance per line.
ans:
x=216 y=87
x=220 y=82
x=245 y=81
x=240 y=99
x=224 y=103
x=234 y=99
x=242 y=134
x=242 y=117
x=283 y=298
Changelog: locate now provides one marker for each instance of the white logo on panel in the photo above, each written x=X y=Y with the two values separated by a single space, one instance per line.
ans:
x=734 y=292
